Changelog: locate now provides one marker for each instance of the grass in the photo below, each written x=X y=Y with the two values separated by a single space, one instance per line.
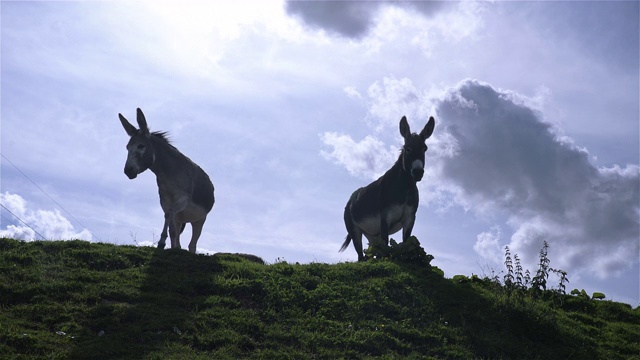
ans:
x=80 y=300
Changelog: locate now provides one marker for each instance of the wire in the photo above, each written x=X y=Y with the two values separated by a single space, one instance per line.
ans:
x=9 y=220
x=50 y=198
x=16 y=216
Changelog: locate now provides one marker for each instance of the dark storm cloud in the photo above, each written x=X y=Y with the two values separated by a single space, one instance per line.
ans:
x=509 y=158
x=352 y=19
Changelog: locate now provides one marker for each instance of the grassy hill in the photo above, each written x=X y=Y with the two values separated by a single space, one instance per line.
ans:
x=80 y=300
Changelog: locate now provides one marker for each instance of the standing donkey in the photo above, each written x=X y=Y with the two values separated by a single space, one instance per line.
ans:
x=389 y=203
x=186 y=193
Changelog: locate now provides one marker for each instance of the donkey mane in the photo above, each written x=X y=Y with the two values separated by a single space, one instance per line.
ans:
x=162 y=135
x=400 y=153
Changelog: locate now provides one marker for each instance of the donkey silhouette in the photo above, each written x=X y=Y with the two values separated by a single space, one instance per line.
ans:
x=389 y=203
x=186 y=192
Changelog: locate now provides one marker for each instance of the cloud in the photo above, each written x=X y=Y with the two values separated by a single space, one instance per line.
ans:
x=494 y=153
x=393 y=98
x=509 y=159
x=352 y=19
x=488 y=245
x=347 y=18
x=49 y=224
x=368 y=158
x=352 y=92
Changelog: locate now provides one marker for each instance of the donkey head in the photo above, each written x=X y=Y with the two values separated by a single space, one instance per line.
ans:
x=140 y=149
x=414 y=148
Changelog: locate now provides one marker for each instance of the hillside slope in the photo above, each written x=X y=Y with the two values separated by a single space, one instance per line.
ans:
x=80 y=300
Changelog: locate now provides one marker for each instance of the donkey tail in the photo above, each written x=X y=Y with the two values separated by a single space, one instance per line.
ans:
x=346 y=242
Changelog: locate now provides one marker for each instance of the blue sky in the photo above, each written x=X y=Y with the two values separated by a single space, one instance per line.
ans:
x=289 y=107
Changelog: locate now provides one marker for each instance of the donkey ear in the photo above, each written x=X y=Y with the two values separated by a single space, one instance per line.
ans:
x=405 y=131
x=428 y=129
x=142 y=122
x=130 y=129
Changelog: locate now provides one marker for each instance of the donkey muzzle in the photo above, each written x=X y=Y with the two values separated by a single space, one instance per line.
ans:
x=417 y=170
x=130 y=172
x=417 y=174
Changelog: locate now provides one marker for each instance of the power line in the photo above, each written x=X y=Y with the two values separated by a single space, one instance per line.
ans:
x=22 y=221
x=9 y=220
x=50 y=198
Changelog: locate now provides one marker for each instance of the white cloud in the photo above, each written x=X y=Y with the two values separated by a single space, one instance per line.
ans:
x=488 y=245
x=146 y=243
x=393 y=98
x=368 y=158
x=352 y=92
x=47 y=223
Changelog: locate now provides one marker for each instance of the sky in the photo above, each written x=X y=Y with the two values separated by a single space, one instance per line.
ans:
x=291 y=106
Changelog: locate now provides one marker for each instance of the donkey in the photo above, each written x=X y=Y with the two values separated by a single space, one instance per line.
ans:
x=186 y=192
x=389 y=203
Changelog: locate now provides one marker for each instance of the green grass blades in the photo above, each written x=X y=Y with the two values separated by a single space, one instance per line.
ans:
x=80 y=300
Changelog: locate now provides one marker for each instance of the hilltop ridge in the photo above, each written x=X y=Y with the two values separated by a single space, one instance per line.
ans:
x=75 y=299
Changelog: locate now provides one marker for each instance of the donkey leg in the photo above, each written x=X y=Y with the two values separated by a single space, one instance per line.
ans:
x=354 y=233
x=384 y=230
x=163 y=235
x=357 y=244
x=196 y=230
x=174 y=233
x=172 y=223
x=408 y=227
